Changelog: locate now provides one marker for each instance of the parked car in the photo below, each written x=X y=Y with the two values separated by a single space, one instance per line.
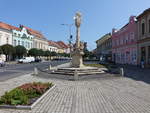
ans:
x=2 y=63
x=38 y=59
x=26 y=60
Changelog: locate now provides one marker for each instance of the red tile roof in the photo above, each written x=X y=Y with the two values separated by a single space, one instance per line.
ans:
x=62 y=44
x=52 y=43
x=8 y=27
x=33 y=32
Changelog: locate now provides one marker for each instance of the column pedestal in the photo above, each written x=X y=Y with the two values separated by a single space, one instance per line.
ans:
x=77 y=61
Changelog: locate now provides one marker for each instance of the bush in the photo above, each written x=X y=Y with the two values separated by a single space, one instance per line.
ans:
x=22 y=95
x=14 y=97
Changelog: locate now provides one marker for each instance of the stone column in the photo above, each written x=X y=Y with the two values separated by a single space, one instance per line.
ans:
x=77 y=54
x=78 y=37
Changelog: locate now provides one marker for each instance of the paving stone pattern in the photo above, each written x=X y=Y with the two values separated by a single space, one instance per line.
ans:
x=95 y=95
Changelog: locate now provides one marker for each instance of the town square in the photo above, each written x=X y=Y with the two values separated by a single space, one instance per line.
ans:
x=75 y=56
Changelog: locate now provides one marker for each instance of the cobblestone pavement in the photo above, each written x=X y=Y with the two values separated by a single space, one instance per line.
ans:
x=91 y=94
x=138 y=73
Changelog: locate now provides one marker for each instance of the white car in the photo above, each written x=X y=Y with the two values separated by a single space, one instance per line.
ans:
x=27 y=60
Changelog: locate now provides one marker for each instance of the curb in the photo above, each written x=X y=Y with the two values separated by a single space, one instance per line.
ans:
x=27 y=107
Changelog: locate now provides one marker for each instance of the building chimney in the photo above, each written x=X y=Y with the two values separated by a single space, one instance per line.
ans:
x=132 y=19
x=114 y=30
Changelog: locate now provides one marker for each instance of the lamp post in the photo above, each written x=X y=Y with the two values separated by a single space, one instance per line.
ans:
x=70 y=35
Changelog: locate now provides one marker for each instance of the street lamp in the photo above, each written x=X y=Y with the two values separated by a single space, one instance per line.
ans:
x=70 y=35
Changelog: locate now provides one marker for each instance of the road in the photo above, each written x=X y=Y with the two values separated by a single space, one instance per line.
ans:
x=14 y=70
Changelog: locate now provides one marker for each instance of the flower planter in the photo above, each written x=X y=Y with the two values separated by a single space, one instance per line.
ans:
x=28 y=107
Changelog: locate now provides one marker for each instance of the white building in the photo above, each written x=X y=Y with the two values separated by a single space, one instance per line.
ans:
x=6 y=34
x=39 y=41
x=23 y=38
x=53 y=47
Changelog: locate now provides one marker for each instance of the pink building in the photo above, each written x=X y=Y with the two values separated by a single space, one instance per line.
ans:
x=124 y=43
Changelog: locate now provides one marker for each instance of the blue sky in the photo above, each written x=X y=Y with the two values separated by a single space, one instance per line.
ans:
x=99 y=16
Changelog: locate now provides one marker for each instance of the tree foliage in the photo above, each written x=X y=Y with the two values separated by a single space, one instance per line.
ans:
x=1 y=50
x=47 y=53
x=8 y=50
x=33 y=52
x=40 y=52
x=53 y=53
x=20 y=51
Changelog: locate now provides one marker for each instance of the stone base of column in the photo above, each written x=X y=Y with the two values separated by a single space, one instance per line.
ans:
x=77 y=61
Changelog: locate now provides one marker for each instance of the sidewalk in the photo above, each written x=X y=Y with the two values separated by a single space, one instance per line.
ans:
x=137 y=73
x=97 y=95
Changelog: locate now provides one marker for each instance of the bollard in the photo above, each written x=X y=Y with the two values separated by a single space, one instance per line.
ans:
x=35 y=71
x=122 y=72
x=50 y=67
x=76 y=77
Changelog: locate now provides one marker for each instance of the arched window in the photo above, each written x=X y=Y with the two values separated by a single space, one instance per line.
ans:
x=143 y=28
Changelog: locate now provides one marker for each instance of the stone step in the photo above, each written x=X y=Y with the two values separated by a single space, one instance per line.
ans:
x=80 y=73
x=78 y=69
x=85 y=71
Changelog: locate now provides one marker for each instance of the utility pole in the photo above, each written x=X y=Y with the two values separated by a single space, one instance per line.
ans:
x=70 y=36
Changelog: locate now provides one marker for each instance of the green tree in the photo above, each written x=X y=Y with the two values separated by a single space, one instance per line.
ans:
x=33 y=52
x=53 y=53
x=40 y=52
x=47 y=54
x=8 y=50
x=1 y=51
x=20 y=51
x=86 y=54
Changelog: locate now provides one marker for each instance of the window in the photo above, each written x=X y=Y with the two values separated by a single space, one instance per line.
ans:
x=132 y=36
x=18 y=42
x=18 y=35
x=143 y=28
x=14 y=42
x=22 y=43
x=7 y=40
x=26 y=45
x=15 y=34
x=149 y=25
x=31 y=46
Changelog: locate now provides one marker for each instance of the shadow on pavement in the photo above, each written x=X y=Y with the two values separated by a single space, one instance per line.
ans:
x=137 y=73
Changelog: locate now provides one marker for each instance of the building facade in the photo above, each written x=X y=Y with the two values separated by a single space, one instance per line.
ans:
x=22 y=37
x=53 y=46
x=144 y=37
x=39 y=41
x=5 y=34
x=124 y=43
x=104 y=45
x=64 y=47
